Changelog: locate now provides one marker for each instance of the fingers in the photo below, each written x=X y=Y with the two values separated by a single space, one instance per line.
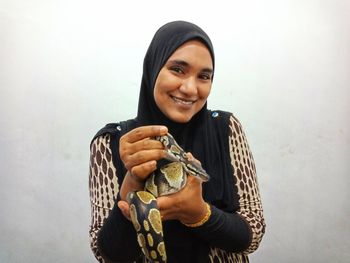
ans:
x=182 y=205
x=144 y=132
x=144 y=144
x=191 y=158
x=143 y=170
x=124 y=207
x=163 y=202
x=139 y=151
x=168 y=208
x=142 y=157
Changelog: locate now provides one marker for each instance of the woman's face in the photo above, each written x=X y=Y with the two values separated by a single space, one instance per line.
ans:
x=183 y=84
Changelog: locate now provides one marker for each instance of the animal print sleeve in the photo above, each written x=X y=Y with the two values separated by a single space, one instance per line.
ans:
x=103 y=187
x=247 y=184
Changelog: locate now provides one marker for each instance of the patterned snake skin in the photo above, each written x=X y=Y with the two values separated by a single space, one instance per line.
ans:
x=168 y=179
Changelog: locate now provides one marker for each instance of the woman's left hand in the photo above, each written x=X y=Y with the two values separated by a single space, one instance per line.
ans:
x=187 y=205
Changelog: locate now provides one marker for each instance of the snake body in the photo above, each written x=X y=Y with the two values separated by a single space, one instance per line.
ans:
x=169 y=178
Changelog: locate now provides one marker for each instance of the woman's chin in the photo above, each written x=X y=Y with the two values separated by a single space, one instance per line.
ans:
x=179 y=117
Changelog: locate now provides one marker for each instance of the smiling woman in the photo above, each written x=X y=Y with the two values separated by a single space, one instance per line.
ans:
x=183 y=84
x=219 y=220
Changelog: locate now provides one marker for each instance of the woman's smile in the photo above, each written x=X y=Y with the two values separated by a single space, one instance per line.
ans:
x=182 y=101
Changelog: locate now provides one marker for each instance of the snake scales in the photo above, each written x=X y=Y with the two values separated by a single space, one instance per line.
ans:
x=170 y=177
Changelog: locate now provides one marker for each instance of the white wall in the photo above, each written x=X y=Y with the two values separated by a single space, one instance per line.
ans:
x=69 y=67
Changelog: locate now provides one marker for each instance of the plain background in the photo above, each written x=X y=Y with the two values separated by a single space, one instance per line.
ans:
x=69 y=67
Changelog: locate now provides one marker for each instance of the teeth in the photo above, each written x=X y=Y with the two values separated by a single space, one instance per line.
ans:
x=183 y=101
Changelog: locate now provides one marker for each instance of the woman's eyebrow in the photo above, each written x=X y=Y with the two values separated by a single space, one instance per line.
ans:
x=208 y=70
x=186 y=64
x=179 y=62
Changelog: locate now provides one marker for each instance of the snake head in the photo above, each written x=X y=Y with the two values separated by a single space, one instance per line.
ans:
x=175 y=153
x=196 y=170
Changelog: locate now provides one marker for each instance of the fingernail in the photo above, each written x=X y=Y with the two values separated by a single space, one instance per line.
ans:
x=163 y=129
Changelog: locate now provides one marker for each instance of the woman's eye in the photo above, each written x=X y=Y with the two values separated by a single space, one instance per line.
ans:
x=177 y=69
x=204 y=76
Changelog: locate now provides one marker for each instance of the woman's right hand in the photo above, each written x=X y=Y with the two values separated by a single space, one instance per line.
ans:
x=139 y=153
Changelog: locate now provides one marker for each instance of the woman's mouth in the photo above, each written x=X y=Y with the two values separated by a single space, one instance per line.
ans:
x=182 y=101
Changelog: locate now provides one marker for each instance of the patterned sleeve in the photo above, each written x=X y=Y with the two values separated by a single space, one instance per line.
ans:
x=103 y=187
x=247 y=184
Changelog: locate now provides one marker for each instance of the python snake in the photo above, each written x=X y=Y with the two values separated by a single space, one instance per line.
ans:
x=169 y=178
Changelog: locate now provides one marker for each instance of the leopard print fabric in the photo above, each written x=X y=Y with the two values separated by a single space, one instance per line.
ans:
x=217 y=255
x=104 y=186
x=247 y=183
x=248 y=191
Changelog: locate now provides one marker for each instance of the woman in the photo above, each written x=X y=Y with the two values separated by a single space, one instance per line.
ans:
x=217 y=221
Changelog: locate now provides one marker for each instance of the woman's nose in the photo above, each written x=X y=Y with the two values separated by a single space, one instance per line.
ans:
x=189 y=86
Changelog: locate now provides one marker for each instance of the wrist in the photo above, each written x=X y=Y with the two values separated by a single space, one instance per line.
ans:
x=202 y=219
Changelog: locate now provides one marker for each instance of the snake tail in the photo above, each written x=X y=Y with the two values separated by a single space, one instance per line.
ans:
x=147 y=222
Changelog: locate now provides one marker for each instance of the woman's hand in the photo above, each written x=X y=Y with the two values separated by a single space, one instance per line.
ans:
x=187 y=205
x=140 y=153
x=124 y=207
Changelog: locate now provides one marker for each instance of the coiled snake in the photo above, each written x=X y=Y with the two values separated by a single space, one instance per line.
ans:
x=170 y=178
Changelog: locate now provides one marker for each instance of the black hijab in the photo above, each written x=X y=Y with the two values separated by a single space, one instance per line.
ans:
x=206 y=134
